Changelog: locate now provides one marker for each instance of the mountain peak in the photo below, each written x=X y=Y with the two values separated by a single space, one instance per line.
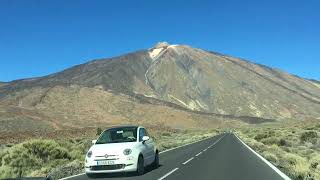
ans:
x=161 y=45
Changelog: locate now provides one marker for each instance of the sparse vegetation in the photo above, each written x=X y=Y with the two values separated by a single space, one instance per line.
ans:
x=64 y=157
x=309 y=136
x=99 y=131
x=295 y=151
x=38 y=157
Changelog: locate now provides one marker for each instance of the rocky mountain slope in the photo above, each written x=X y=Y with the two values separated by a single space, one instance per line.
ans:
x=170 y=84
x=2 y=84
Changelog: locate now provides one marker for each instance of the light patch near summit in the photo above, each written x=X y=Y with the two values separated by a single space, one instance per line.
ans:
x=173 y=46
x=157 y=49
x=155 y=52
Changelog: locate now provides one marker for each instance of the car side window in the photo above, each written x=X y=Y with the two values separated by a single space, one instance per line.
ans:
x=141 y=134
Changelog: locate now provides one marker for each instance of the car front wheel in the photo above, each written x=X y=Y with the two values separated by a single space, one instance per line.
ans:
x=140 y=166
x=155 y=163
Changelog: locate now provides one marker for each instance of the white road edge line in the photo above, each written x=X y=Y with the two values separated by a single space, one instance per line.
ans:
x=198 y=153
x=72 y=176
x=166 y=175
x=187 y=161
x=284 y=176
x=159 y=153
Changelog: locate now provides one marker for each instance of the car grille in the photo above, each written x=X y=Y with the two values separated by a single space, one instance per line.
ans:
x=110 y=157
x=107 y=167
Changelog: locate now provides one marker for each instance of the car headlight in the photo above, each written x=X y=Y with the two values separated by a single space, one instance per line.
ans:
x=127 y=151
x=89 y=154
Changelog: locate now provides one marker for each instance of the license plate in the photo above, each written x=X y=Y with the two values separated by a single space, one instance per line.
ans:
x=105 y=162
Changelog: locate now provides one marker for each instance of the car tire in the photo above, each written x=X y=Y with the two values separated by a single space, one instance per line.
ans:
x=155 y=163
x=140 y=166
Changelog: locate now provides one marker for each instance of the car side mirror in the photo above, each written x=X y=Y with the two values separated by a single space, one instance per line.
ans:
x=145 y=138
x=94 y=141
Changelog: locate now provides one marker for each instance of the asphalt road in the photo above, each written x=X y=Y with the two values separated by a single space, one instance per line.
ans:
x=222 y=157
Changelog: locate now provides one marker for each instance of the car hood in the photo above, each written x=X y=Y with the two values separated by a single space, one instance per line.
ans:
x=111 y=149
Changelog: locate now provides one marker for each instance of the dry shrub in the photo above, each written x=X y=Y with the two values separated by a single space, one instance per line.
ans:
x=309 y=136
x=270 y=140
x=315 y=163
x=34 y=155
x=294 y=165
x=271 y=157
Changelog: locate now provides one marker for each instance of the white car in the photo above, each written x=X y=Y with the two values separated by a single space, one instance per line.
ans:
x=121 y=149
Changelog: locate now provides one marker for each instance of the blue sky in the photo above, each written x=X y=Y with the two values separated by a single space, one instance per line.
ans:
x=39 y=37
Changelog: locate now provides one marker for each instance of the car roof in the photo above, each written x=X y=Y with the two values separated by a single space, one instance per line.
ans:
x=124 y=126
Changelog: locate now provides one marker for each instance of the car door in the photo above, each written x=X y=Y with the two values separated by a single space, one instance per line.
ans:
x=150 y=147
x=143 y=147
x=147 y=147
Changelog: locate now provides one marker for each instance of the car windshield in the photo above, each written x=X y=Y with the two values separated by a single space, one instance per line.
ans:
x=118 y=135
